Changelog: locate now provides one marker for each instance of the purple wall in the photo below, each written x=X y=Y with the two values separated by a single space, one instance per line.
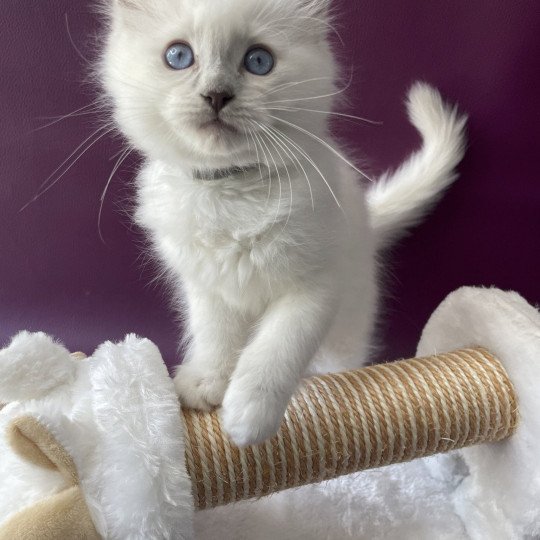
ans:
x=56 y=274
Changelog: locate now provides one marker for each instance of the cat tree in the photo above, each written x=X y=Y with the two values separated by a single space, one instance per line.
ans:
x=99 y=448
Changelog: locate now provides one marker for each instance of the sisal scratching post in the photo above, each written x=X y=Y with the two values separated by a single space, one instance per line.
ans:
x=349 y=422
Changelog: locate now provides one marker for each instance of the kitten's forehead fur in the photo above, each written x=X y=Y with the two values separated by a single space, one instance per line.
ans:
x=161 y=111
x=235 y=10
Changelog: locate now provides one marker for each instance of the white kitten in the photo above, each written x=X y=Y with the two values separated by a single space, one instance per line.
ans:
x=265 y=231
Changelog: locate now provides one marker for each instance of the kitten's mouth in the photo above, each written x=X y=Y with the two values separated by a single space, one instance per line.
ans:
x=218 y=125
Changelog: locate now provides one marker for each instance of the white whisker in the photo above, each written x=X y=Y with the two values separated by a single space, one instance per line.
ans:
x=247 y=136
x=314 y=165
x=257 y=152
x=89 y=109
x=118 y=164
x=340 y=91
x=288 y=175
x=45 y=187
x=267 y=165
x=286 y=86
x=77 y=50
x=277 y=133
x=278 y=175
x=325 y=144
x=328 y=113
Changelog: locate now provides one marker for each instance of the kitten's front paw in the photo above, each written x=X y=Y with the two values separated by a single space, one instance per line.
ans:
x=199 y=389
x=251 y=417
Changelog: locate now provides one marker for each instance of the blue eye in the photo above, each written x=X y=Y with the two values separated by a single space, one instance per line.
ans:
x=259 y=61
x=180 y=56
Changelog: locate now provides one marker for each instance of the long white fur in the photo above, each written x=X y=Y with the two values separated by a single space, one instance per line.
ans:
x=274 y=273
x=23 y=363
x=401 y=199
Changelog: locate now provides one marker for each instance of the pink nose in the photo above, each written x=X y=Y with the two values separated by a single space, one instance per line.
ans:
x=218 y=100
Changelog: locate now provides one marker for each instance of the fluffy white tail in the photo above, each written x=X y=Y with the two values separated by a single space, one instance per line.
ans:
x=401 y=199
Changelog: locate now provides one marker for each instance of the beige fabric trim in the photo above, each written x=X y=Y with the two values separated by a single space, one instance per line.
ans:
x=34 y=443
x=61 y=517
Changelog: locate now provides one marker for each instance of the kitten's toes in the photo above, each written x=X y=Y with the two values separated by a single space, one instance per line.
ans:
x=197 y=389
x=251 y=417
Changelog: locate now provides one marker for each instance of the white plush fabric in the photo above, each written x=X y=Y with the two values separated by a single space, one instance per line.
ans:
x=500 y=499
x=25 y=361
x=32 y=366
x=402 y=502
x=142 y=483
x=119 y=419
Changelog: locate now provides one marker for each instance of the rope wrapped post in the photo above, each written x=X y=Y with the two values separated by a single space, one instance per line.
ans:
x=349 y=422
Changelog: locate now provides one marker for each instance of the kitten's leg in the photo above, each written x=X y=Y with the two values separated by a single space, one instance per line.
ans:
x=218 y=334
x=271 y=366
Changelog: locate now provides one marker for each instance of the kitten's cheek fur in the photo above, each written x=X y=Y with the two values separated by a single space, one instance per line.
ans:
x=200 y=389
x=251 y=416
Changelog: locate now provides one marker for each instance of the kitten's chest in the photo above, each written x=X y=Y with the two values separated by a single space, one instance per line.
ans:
x=228 y=241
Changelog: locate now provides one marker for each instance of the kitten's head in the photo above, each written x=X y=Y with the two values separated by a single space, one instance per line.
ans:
x=198 y=81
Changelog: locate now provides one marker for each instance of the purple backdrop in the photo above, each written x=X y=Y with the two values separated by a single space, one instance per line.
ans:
x=57 y=275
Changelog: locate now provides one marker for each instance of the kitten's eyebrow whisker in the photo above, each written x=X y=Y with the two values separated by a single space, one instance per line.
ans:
x=77 y=50
x=322 y=21
x=328 y=25
x=324 y=143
